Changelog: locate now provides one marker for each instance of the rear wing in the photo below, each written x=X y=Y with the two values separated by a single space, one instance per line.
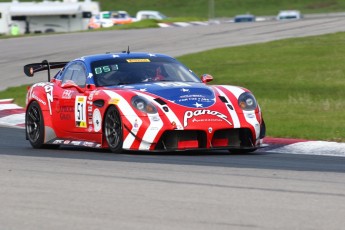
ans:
x=30 y=69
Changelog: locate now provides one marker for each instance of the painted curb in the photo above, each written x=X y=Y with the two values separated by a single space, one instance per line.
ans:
x=11 y=114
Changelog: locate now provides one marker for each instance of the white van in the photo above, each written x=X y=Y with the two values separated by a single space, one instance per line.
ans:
x=150 y=14
x=289 y=14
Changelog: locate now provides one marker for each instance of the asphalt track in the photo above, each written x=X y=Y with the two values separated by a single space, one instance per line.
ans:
x=86 y=189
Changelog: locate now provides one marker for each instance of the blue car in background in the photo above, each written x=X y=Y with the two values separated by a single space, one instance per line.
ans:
x=244 y=18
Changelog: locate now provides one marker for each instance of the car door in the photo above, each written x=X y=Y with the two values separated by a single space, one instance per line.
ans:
x=71 y=100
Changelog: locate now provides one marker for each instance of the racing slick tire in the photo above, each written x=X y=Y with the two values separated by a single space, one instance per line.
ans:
x=34 y=125
x=113 y=129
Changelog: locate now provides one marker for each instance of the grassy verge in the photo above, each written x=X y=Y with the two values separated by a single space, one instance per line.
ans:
x=299 y=83
x=17 y=93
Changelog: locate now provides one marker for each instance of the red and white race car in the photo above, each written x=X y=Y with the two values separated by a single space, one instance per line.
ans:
x=138 y=101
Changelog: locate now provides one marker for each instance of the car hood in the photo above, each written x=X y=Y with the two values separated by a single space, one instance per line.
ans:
x=189 y=94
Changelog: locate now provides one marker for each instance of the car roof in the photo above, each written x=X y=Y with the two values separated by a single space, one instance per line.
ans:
x=123 y=55
x=284 y=12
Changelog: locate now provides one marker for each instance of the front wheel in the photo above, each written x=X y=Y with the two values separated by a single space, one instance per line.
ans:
x=113 y=129
x=34 y=125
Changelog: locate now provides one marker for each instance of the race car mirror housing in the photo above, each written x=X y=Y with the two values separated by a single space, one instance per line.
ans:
x=206 y=78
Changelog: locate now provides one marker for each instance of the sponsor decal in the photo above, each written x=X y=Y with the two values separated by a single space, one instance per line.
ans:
x=172 y=84
x=67 y=94
x=38 y=99
x=198 y=99
x=197 y=113
x=97 y=120
x=155 y=118
x=138 y=60
x=135 y=125
x=114 y=101
x=75 y=142
x=59 y=142
x=91 y=96
x=88 y=144
x=65 y=116
x=66 y=109
x=210 y=129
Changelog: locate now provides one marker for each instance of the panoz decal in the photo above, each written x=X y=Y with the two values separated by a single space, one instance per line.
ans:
x=137 y=60
x=80 y=111
x=190 y=114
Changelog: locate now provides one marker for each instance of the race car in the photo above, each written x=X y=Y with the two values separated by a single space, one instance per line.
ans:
x=141 y=102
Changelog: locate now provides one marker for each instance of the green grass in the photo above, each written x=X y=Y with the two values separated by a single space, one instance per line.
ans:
x=298 y=82
x=17 y=93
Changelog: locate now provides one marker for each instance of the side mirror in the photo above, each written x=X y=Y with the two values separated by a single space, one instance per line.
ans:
x=206 y=78
x=71 y=84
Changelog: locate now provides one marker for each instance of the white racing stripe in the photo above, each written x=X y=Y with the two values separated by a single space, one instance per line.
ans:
x=233 y=114
x=320 y=148
x=156 y=125
x=170 y=115
x=248 y=115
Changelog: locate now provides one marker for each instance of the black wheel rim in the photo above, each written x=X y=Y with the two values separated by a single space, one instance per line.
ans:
x=113 y=129
x=33 y=123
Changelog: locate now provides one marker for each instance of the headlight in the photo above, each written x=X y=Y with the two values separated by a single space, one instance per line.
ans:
x=143 y=105
x=247 y=101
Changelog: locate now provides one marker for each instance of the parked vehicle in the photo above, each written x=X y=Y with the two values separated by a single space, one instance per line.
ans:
x=46 y=16
x=289 y=15
x=150 y=14
x=244 y=18
x=118 y=17
x=97 y=22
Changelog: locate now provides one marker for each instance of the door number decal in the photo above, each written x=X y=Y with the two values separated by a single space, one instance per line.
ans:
x=80 y=111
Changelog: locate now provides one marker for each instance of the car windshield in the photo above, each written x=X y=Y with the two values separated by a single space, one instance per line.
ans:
x=140 y=70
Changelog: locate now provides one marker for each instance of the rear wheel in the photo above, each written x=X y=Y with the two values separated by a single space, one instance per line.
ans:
x=113 y=129
x=34 y=125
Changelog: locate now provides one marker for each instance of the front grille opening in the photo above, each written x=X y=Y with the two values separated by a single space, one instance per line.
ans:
x=232 y=138
x=182 y=139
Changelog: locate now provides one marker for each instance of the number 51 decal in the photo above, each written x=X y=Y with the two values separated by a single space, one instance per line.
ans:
x=80 y=111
